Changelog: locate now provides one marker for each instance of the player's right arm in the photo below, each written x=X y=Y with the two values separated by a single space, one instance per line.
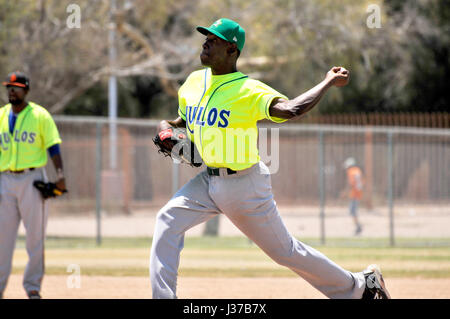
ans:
x=164 y=124
x=288 y=109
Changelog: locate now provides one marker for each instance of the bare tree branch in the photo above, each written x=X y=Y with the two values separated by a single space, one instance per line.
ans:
x=87 y=83
x=139 y=38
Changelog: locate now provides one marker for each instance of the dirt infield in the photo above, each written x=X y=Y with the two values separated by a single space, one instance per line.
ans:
x=103 y=287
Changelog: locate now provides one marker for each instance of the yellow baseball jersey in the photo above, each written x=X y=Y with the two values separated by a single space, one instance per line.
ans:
x=221 y=114
x=34 y=132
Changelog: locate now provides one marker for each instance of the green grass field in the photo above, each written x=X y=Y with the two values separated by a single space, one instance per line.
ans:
x=236 y=257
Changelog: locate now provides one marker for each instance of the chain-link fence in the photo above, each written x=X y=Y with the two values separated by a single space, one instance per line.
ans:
x=118 y=182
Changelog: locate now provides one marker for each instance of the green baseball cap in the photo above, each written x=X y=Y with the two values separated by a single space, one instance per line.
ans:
x=227 y=30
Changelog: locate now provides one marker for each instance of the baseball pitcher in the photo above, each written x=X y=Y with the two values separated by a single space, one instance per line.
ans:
x=220 y=107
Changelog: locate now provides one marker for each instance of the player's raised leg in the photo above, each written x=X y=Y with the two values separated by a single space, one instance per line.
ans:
x=256 y=215
x=190 y=206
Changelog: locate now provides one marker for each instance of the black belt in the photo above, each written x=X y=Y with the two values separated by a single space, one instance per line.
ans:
x=216 y=171
x=20 y=172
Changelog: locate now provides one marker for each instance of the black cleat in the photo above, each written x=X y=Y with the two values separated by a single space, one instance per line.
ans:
x=34 y=294
x=375 y=287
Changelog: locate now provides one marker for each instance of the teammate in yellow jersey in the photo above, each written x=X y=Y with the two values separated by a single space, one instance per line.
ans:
x=219 y=105
x=27 y=133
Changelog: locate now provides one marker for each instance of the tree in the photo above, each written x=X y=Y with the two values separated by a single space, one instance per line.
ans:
x=64 y=63
x=290 y=44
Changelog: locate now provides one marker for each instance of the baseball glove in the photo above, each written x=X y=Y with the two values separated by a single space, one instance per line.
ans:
x=48 y=190
x=174 y=142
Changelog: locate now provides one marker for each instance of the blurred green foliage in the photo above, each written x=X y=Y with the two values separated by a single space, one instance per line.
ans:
x=403 y=66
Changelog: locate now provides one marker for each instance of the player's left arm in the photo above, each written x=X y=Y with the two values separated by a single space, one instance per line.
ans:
x=52 y=141
x=55 y=155
x=288 y=109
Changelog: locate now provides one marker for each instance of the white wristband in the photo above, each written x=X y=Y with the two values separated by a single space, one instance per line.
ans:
x=59 y=173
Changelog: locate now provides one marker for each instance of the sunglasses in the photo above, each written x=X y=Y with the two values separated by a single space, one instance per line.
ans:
x=14 y=88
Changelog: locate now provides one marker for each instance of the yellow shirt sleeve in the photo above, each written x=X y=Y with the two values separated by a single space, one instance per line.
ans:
x=50 y=134
x=181 y=105
x=193 y=79
x=263 y=96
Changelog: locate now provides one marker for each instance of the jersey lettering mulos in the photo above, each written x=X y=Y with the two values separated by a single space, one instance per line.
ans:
x=221 y=114
x=26 y=147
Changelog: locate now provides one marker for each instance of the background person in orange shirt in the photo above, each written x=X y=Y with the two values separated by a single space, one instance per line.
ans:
x=355 y=182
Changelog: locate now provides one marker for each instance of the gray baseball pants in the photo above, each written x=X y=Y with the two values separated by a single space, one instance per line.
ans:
x=246 y=199
x=20 y=200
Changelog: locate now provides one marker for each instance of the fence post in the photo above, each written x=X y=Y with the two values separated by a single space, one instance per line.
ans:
x=322 y=186
x=98 y=181
x=391 y=188
x=212 y=227
x=368 y=161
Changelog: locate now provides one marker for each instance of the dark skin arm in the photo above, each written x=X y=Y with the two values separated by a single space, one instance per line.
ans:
x=296 y=107
x=303 y=103
x=58 y=163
